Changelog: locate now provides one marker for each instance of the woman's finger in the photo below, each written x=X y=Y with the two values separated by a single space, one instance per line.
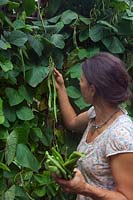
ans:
x=56 y=72
x=76 y=171
x=65 y=189
x=60 y=181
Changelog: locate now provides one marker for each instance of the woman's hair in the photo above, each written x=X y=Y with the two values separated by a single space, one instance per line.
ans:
x=109 y=76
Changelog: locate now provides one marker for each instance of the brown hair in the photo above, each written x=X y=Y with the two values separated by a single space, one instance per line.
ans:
x=109 y=76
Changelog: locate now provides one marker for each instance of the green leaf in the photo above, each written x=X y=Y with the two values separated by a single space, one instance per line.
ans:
x=129 y=15
x=4 y=45
x=60 y=135
x=22 y=133
x=10 y=147
x=75 y=71
x=6 y=124
x=18 y=38
x=52 y=29
x=58 y=58
x=12 y=75
x=130 y=12
x=53 y=7
x=54 y=19
x=3 y=2
x=2 y=118
x=87 y=53
x=83 y=53
x=3 y=134
x=43 y=179
x=73 y=92
x=26 y=94
x=105 y=23
x=36 y=75
x=25 y=158
x=18 y=24
x=35 y=44
x=10 y=113
x=20 y=194
x=125 y=28
x=96 y=33
x=14 y=96
x=37 y=132
x=48 y=46
x=58 y=27
x=68 y=16
x=93 y=51
x=29 y=6
x=58 y=41
x=4 y=167
x=8 y=21
x=3 y=186
x=13 y=5
x=41 y=191
x=25 y=113
x=47 y=137
x=80 y=103
x=113 y=44
x=128 y=18
x=10 y=193
x=85 y=20
x=84 y=35
x=6 y=65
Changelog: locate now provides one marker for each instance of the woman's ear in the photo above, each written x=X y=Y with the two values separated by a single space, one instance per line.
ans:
x=93 y=90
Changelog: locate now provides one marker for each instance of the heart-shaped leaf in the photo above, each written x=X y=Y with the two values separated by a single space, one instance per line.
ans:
x=35 y=44
x=25 y=158
x=58 y=41
x=114 y=45
x=10 y=193
x=18 y=38
x=10 y=147
x=36 y=75
x=25 y=113
x=6 y=65
x=73 y=92
x=14 y=96
x=68 y=16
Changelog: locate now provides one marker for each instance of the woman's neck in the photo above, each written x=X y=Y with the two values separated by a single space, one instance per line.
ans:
x=104 y=111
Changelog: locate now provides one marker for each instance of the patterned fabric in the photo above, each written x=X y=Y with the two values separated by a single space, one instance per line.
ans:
x=117 y=138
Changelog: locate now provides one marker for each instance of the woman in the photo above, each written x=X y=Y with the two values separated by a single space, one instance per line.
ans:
x=106 y=172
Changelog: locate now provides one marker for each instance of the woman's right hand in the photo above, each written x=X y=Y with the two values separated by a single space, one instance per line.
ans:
x=76 y=185
x=59 y=79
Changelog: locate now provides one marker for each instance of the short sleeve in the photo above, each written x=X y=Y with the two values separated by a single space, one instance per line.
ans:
x=120 y=139
x=91 y=112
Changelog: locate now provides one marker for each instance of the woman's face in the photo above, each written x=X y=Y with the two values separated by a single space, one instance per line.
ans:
x=87 y=90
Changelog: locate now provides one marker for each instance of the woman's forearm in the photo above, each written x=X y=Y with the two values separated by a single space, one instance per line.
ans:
x=102 y=194
x=66 y=109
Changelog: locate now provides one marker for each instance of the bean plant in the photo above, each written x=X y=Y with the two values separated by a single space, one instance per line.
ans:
x=35 y=37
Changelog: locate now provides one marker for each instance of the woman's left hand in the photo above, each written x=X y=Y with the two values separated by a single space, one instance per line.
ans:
x=75 y=185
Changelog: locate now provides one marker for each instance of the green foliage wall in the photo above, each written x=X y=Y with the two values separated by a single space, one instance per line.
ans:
x=31 y=32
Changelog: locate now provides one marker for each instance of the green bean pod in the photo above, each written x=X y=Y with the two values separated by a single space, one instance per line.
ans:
x=54 y=162
x=76 y=154
x=54 y=169
x=57 y=155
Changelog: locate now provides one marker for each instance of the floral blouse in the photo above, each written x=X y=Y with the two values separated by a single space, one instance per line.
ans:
x=95 y=167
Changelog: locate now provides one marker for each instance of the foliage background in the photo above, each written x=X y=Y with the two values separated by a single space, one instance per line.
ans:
x=32 y=31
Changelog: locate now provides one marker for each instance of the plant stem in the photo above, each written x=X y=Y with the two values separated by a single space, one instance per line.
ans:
x=39 y=12
x=22 y=60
